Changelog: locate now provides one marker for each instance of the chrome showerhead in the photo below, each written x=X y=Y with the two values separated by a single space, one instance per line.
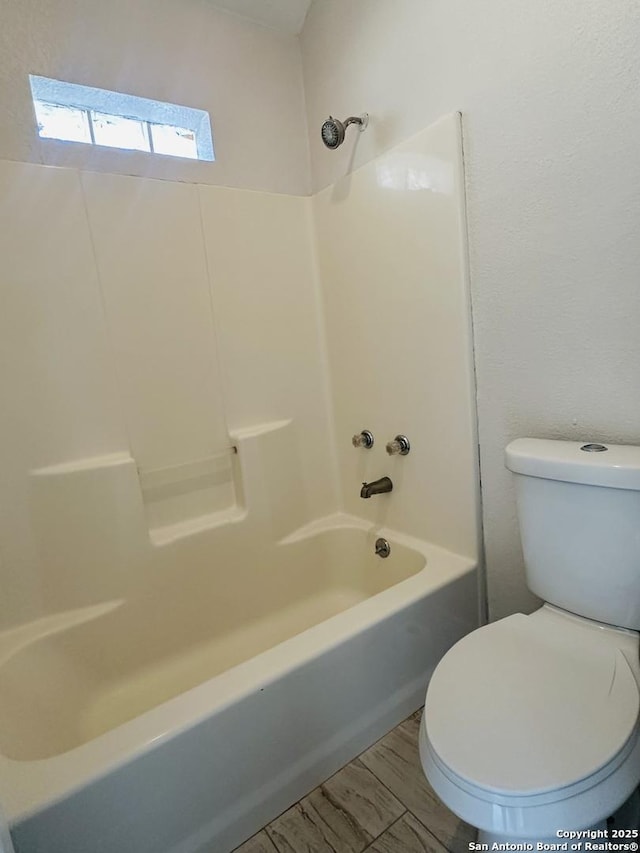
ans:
x=333 y=130
x=332 y=133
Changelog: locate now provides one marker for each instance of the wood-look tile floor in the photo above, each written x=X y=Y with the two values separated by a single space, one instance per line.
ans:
x=380 y=803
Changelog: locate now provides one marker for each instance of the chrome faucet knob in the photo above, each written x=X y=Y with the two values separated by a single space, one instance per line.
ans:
x=400 y=445
x=363 y=439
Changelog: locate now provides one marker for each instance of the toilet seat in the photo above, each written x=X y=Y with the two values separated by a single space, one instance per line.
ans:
x=531 y=706
x=531 y=724
x=527 y=818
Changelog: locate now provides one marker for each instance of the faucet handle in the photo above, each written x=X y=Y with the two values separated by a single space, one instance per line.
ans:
x=363 y=439
x=400 y=445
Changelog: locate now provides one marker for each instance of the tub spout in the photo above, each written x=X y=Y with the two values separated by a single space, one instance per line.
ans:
x=378 y=487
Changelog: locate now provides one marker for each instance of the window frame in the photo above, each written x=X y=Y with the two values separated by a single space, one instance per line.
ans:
x=144 y=110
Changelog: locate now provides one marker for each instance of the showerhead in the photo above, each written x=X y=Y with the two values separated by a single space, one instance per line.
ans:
x=333 y=130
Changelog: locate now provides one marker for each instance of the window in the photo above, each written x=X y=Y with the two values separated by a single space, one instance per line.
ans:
x=77 y=113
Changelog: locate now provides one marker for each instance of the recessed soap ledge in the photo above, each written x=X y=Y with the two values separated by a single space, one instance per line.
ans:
x=171 y=533
x=183 y=499
x=254 y=468
x=255 y=475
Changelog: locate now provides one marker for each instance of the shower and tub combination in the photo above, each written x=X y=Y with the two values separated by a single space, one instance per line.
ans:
x=215 y=636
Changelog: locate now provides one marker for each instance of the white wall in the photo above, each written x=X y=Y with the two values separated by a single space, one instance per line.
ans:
x=551 y=109
x=181 y=51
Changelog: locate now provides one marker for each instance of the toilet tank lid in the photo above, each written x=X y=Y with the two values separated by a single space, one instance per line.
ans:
x=592 y=463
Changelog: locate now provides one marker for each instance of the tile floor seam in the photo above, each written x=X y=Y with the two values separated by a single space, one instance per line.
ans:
x=384 y=785
x=356 y=758
x=431 y=832
x=268 y=834
x=402 y=803
x=441 y=841
x=388 y=829
x=271 y=841
x=265 y=829
x=407 y=810
x=373 y=773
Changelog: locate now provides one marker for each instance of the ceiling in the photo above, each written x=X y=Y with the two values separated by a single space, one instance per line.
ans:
x=287 y=16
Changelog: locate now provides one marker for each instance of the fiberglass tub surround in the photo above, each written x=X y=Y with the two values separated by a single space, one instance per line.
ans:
x=196 y=616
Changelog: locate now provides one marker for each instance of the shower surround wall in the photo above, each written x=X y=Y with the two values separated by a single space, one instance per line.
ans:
x=162 y=317
x=392 y=257
x=149 y=328
x=145 y=326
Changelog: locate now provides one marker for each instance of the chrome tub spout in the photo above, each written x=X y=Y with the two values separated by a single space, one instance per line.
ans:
x=377 y=487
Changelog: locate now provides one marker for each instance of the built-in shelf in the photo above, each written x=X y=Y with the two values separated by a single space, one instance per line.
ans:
x=111 y=506
x=160 y=536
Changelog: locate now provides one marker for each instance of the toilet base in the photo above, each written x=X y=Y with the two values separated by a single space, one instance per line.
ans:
x=626 y=817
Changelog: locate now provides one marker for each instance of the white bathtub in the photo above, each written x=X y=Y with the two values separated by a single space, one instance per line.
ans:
x=181 y=723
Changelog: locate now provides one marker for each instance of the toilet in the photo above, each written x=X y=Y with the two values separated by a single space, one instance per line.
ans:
x=531 y=724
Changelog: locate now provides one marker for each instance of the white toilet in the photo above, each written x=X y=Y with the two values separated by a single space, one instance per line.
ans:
x=531 y=724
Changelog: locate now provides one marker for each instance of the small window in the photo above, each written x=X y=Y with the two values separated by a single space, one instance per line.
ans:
x=75 y=113
x=58 y=122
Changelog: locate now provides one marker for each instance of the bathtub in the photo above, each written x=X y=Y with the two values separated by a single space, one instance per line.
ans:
x=174 y=723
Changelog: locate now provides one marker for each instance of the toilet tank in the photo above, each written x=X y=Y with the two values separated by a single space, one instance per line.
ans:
x=579 y=515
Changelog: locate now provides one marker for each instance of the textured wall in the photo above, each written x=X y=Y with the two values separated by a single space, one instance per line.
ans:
x=551 y=111
x=181 y=51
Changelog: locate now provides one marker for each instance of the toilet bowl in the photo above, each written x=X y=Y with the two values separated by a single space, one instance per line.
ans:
x=532 y=723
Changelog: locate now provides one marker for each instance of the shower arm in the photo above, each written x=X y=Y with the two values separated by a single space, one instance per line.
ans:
x=362 y=120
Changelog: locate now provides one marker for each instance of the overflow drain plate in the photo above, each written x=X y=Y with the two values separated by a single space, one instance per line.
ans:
x=383 y=549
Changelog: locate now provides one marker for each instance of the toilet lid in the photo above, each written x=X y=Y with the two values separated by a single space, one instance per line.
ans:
x=518 y=708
